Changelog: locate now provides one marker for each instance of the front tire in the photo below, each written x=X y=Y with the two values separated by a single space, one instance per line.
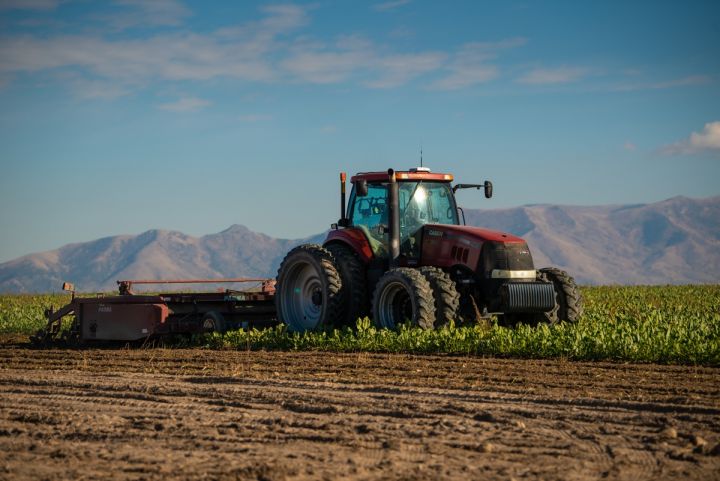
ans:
x=568 y=300
x=403 y=294
x=307 y=293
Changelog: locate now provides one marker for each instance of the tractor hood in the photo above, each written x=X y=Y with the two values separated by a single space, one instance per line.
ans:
x=480 y=250
x=467 y=234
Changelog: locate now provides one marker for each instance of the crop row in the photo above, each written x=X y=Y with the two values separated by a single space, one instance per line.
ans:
x=670 y=324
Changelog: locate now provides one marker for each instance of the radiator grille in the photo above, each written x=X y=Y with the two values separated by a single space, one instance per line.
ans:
x=528 y=296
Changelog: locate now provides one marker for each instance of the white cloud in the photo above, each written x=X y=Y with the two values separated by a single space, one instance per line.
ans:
x=245 y=53
x=471 y=65
x=666 y=84
x=558 y=75
x=29 y=4
x=324 y=67
x=282 y=18
x=146 y=13
x=170 y=57
x=353 y=56
x=185 y=104
x=708 y=140
x=266 y=50
x=396 y=70
x=393 y=4
x=95 y=89
x=252 y=118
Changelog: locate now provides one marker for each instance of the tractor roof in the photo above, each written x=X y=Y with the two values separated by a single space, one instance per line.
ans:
x=418 y=173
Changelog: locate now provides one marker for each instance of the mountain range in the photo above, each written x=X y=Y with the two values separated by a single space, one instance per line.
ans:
x=676 y=241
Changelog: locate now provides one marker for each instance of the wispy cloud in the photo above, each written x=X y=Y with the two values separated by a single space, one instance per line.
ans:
x=667 y=84
x=629 y=146
x=707 y=140
x=146 y=13
x=29 y=4
x=355 y=56
x=135 y=62
x=470 y=65
x=253 y=118
x=396 y=70
x=185 y=104
x=323 y=64
x=270 y=49
x=385 y=6
x=557 y=75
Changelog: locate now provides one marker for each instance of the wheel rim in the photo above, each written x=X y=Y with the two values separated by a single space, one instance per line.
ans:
x=301 y=297
x=395 y=305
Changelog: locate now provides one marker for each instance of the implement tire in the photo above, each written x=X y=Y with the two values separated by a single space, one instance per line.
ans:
x=401 y=295
x=307 y=293
x=445 y=295
x=568 y=300
x=213 y=321
x=353 y=292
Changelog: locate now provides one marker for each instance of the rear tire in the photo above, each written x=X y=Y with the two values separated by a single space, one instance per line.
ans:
x=568 y=300
x=445 y=295
x=403 y=294
x=307 y=293
x=353 y=292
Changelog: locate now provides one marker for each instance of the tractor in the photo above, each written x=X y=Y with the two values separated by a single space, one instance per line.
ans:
x=400 y=253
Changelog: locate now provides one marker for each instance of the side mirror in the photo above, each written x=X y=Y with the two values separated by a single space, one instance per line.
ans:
x=361 y=188
x=488 y=189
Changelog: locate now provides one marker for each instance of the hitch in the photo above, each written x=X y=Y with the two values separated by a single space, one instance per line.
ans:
x=51 y=332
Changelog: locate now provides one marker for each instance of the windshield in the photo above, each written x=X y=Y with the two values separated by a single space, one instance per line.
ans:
x=423 y=203
x=426 y=203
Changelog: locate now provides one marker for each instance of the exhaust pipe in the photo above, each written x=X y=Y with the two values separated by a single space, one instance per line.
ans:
x=393 y=220
x=342 y=199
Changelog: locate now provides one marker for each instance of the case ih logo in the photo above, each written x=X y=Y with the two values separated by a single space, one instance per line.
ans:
x=104 y=308
x=435 y=233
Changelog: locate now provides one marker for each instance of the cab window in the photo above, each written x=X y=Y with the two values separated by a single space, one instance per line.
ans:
x=370 y=214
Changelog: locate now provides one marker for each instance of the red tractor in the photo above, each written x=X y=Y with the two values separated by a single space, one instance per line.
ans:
x=401 y=254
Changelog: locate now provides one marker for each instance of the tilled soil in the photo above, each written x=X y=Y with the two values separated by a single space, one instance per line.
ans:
x=198 y=414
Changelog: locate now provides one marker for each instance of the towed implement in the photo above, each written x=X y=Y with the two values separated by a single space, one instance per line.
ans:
x=401 y=252
x=132 y=317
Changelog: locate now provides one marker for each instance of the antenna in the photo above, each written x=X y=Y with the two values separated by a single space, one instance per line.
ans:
x=421 y=162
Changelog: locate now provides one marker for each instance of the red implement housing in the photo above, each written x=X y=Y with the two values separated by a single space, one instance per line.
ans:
x=130 y=317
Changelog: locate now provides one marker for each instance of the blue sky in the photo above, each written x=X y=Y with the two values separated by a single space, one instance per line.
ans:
x=117 y=117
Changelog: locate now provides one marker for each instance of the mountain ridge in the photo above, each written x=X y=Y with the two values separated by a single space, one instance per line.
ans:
x=673 y=241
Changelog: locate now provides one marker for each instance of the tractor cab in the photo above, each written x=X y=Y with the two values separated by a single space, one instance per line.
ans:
x=423 y=198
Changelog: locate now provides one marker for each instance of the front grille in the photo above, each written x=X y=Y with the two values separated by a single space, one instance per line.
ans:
x=528 y=296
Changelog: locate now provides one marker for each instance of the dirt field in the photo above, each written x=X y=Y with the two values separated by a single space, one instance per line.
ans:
x=195 y=414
